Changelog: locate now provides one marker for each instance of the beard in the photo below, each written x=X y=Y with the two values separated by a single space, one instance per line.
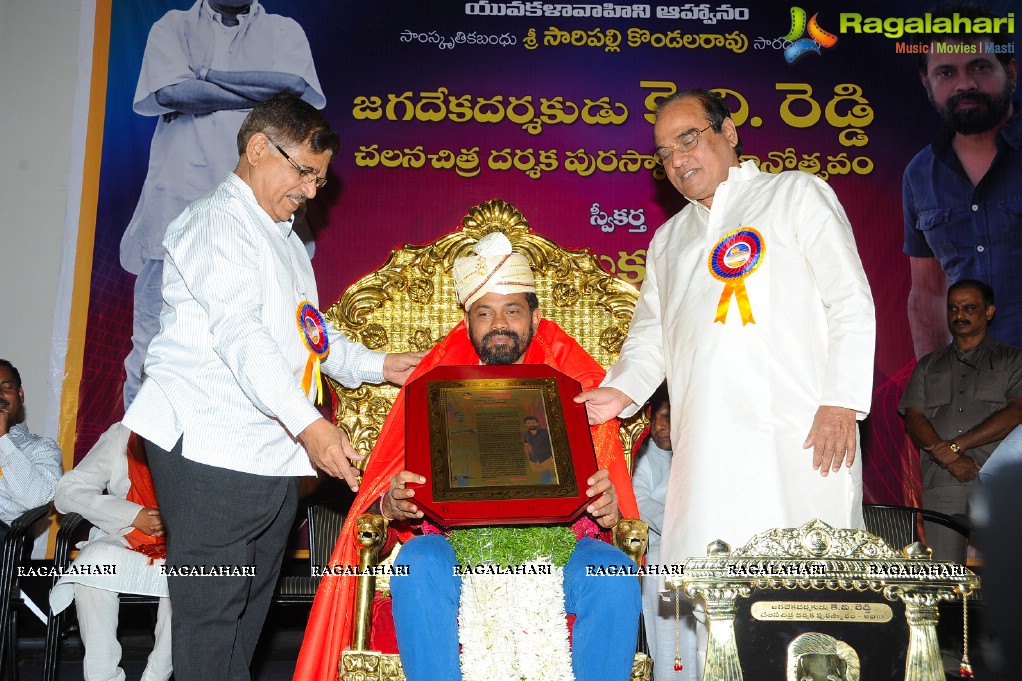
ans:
x=991 y=112
x=501 y=354
x=15 y=412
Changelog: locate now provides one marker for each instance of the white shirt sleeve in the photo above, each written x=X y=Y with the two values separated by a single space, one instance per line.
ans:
x=31 y=466
x=641 y=367
x=164 y=63
x=104 y=468
x=352 y=363
x=826 y=241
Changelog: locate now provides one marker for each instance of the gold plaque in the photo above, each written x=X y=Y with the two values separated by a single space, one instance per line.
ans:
x=498 y=433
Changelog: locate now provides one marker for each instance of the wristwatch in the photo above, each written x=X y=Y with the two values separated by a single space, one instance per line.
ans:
x=953 y=446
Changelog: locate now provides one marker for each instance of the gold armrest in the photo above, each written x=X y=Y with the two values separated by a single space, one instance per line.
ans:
x=632 y=537
x=371 y=536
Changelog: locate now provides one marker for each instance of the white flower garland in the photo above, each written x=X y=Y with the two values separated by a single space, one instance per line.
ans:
x=512 y=626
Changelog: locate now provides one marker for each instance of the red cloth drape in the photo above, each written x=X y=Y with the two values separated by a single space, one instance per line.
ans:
x=331 y=622
x=143 y=493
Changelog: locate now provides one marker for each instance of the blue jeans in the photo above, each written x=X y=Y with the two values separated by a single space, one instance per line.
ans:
x=426 y=611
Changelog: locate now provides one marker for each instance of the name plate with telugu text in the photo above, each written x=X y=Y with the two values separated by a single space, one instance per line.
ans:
x=821 y=611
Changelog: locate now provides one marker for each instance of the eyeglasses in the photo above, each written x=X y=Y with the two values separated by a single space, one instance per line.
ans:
x=684 y=143
x=306 y=175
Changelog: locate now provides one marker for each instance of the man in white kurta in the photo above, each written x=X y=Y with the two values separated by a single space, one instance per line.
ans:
x=90 y=583
x=203 y=70
x=756 y=309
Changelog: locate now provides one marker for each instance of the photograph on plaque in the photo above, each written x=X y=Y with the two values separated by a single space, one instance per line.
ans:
x=499 y=444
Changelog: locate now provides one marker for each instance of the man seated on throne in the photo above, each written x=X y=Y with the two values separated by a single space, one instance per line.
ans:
x=502 y=325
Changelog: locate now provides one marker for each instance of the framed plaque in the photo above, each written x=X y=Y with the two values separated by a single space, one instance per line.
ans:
x=498 y=445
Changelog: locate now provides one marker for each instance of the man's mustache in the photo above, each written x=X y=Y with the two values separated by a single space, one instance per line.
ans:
x=501 y=332
x=978 y=97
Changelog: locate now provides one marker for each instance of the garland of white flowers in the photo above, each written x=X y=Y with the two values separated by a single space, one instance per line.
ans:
x=512 y=622
x=512 y=626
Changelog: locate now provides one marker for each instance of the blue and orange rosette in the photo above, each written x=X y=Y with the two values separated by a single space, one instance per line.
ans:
x=312 y=328
x=736 y=256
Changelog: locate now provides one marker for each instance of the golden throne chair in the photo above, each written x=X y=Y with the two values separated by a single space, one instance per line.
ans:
x=409 y=303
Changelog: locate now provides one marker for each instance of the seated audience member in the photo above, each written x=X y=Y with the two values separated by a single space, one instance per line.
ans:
x=649 y=479
x=961 y=401
x=29 y=464
x=125 y=552
x=502 y=325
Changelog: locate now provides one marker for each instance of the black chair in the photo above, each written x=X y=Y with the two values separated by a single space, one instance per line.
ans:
x=14 y=544
x=899 y=525
x=324 y=526
x=72 y=526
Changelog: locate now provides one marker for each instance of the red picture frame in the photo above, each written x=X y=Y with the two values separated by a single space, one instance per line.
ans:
x=477 y=435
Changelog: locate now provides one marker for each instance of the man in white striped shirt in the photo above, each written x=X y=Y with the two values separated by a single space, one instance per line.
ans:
x=30 y=465
x=228 y=422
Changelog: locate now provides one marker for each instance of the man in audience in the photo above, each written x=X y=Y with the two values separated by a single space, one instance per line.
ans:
x=961 y=401
x=112 y=489
x=649 y=478
x=29 y=464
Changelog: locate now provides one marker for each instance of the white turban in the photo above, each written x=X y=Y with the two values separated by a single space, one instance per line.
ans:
x=494 y=268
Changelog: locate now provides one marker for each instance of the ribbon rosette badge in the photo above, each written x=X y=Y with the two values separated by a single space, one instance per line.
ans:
x=736 y=256
x=312 y=327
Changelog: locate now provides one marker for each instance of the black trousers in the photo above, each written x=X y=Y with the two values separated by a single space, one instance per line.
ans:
x=219 y=520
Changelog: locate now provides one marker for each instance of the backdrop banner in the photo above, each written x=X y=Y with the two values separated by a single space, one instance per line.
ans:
x=442 y=105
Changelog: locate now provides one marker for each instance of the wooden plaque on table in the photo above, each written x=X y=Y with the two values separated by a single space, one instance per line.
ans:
x=498 y=445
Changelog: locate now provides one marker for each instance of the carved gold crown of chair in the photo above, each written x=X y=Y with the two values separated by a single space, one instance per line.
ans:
x=409 y=303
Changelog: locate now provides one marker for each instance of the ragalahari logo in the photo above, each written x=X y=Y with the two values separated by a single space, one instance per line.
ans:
x=800 y=46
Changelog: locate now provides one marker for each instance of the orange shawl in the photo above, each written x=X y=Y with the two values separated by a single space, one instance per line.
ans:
x=331 y=622
x=143 y=493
